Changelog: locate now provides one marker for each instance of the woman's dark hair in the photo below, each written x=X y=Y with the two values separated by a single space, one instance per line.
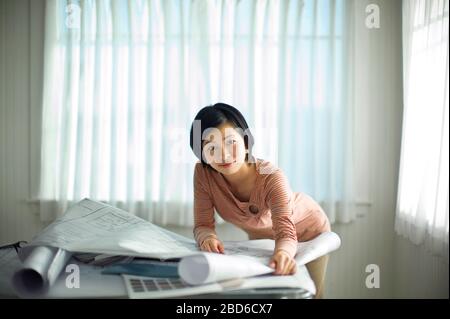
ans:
x=214 y=116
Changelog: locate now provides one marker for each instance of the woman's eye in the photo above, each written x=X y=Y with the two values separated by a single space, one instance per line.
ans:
x=231 y=142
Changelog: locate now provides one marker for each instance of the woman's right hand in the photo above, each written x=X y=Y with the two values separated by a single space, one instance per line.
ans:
x=212 y=245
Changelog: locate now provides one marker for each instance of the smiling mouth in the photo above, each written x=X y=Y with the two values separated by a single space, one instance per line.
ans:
x=227 y=165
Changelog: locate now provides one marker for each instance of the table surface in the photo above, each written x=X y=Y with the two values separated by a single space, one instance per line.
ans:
x=260 y=293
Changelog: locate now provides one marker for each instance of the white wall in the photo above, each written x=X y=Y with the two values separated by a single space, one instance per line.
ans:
x=406 y=270
x=20 y=83
x=419 y=274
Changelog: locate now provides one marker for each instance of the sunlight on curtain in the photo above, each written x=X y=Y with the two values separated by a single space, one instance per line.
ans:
x=422 y=209
x=124 y=80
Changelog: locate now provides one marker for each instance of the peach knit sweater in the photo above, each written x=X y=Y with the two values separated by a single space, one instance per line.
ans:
x=273 y=211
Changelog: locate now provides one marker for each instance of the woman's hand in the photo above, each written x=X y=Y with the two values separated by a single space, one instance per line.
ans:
x=283 y=263
x=212 y=245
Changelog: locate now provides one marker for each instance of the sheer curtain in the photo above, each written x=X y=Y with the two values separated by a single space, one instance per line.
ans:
x=314 y=105
x=422 y=209
x=124 y=79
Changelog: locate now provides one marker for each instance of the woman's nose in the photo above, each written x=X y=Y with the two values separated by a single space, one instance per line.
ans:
x=226 y=154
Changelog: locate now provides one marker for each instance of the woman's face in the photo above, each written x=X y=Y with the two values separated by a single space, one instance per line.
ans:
x=224 y=149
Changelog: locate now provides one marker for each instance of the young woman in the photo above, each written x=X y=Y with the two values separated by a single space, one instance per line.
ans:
x=248 y=192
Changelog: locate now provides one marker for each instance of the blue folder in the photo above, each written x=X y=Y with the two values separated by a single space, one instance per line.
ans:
x=144 y=267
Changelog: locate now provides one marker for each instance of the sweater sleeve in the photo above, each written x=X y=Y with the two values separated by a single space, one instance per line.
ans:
x=279 y=200
x=204 y=223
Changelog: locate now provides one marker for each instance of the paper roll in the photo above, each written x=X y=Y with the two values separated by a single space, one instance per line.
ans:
x=207 y=268
x=41 y=266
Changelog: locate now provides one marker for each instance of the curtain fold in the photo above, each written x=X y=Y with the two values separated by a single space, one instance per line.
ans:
x=123 y=81
x=422 y=205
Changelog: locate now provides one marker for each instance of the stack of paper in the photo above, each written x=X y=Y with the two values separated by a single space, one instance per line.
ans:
x=244 y=266
x=108 y=236
x=95 y=228
x=101 y=259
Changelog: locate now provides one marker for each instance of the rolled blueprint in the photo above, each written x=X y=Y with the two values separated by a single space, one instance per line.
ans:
x=206 y=268
x=41 y=266
x=323 y=244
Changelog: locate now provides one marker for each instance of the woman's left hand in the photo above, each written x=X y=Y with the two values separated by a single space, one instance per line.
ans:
x=283 y=263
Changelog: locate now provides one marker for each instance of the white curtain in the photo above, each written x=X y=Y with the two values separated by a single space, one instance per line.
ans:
x=422 y=209
x=313 y=104
x=124 y=80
